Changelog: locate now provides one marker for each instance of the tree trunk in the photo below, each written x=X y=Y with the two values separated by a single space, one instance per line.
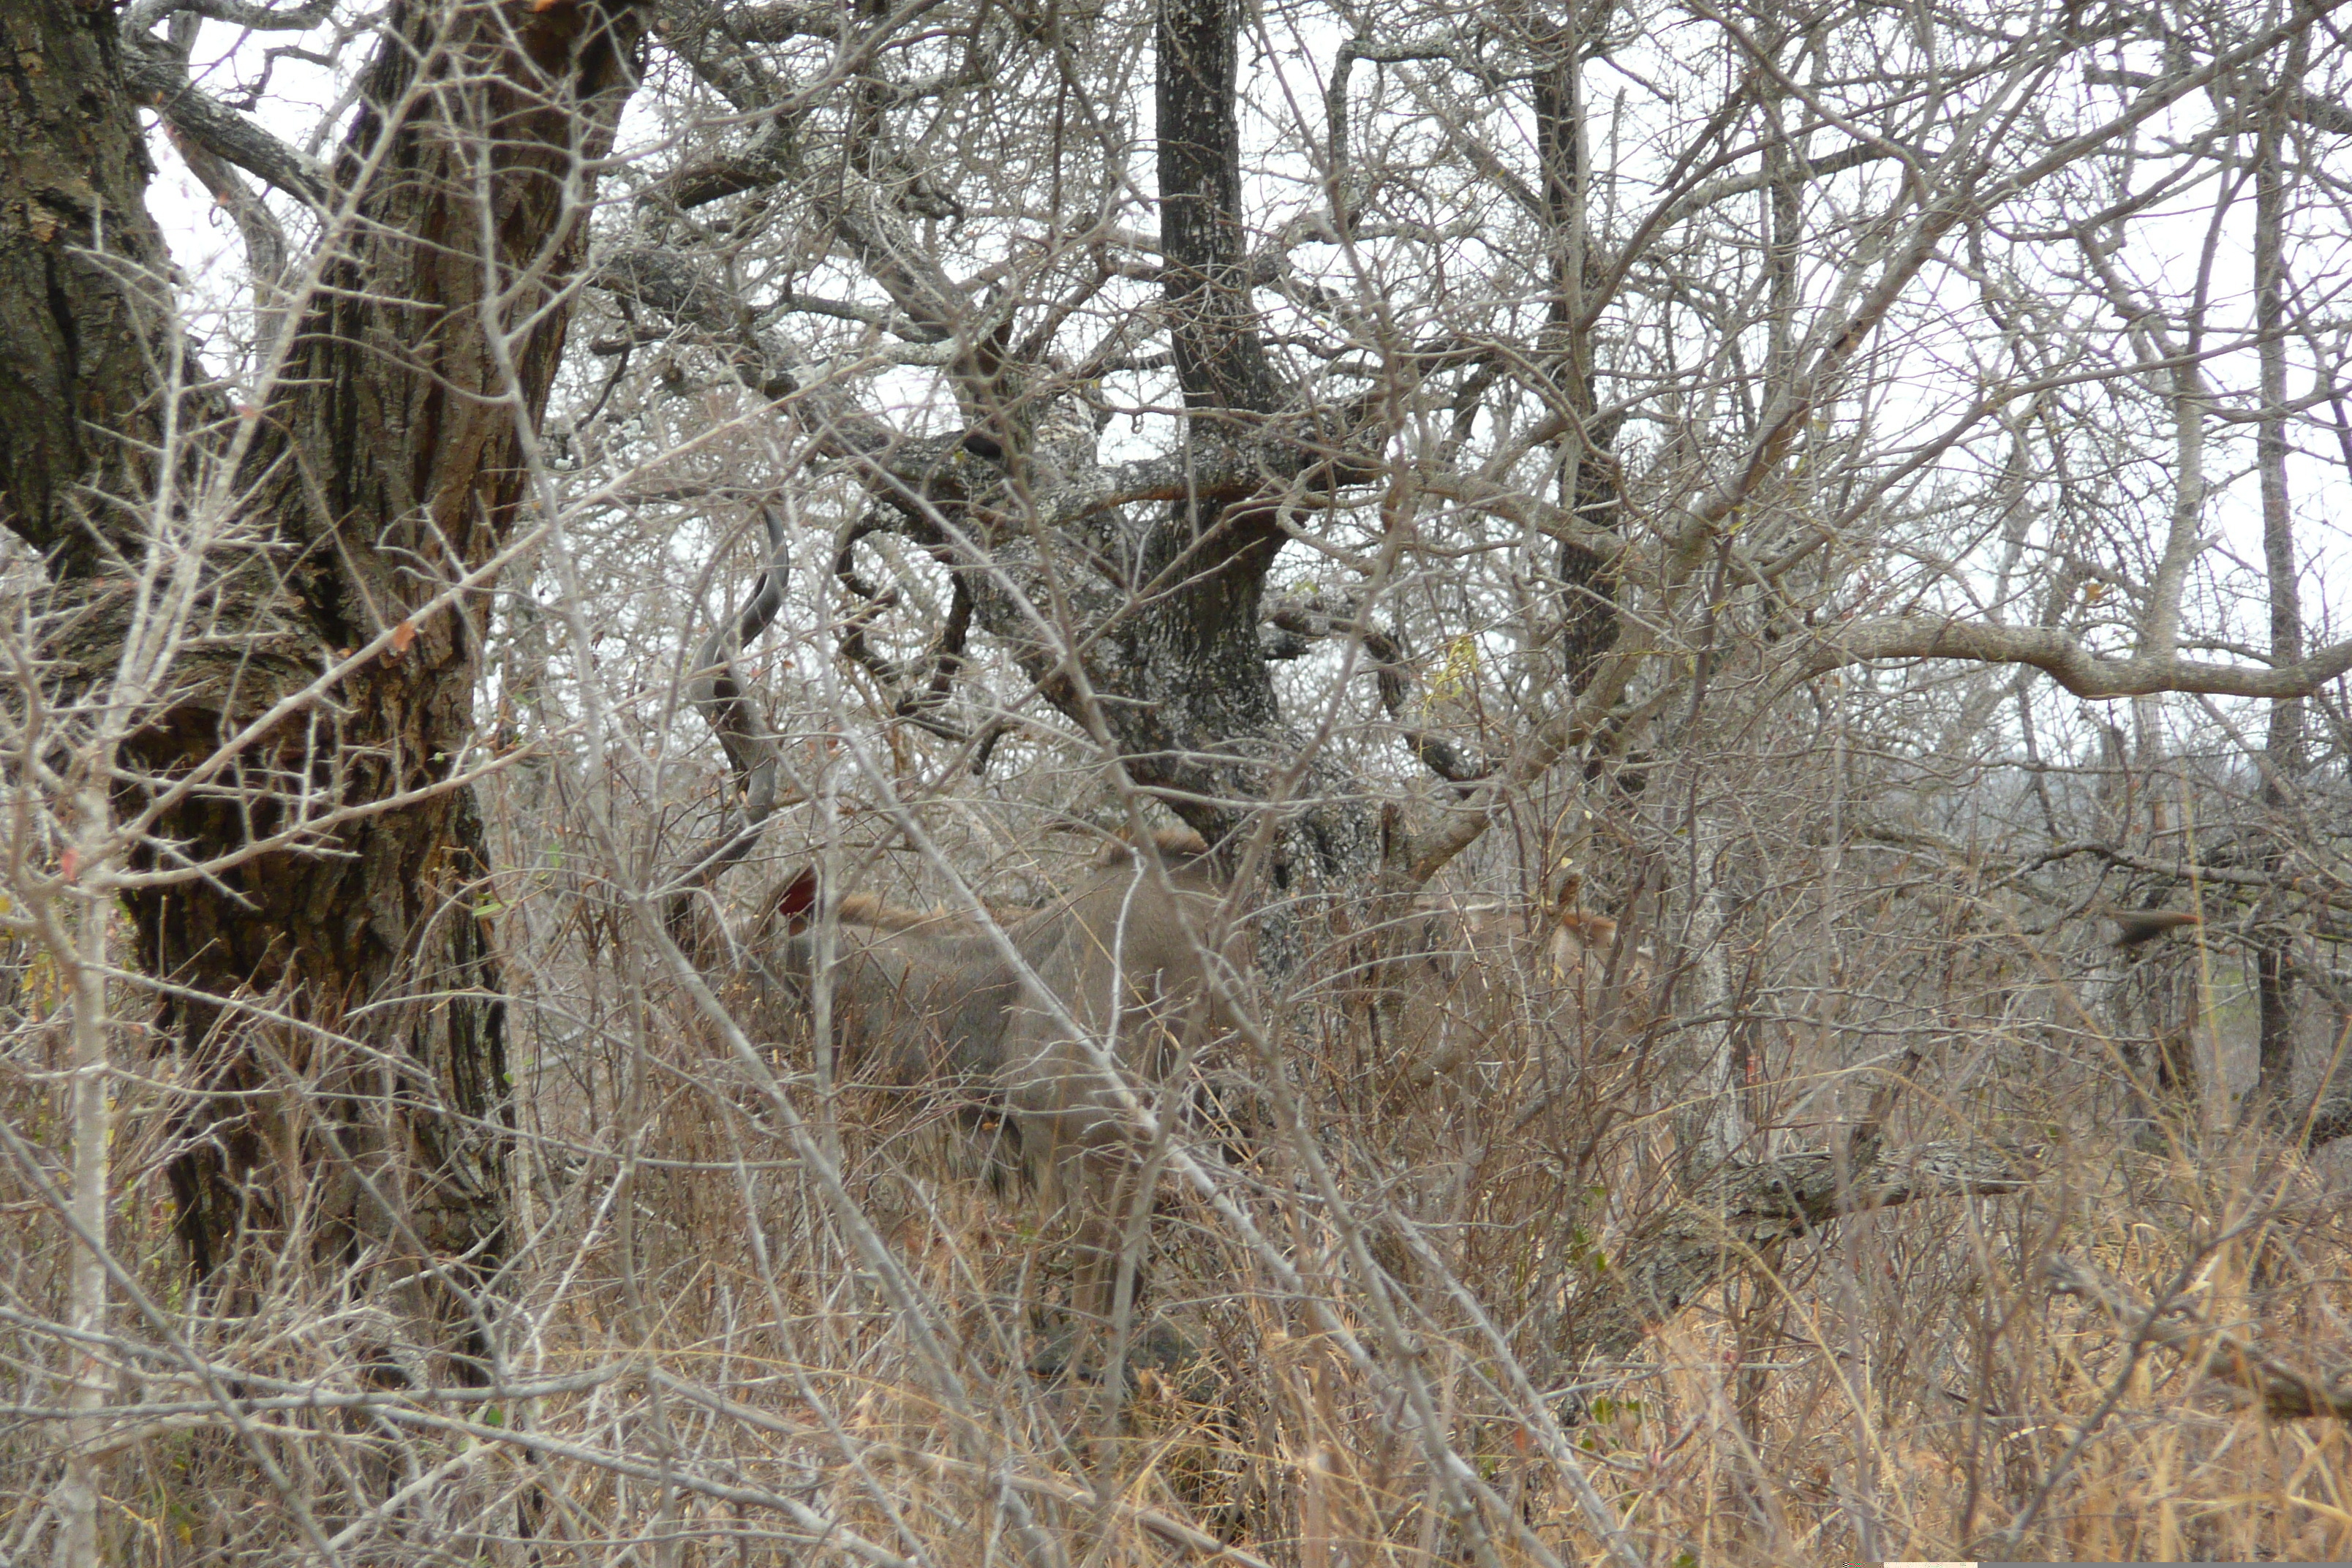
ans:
x=1705 y=1083
x=2283 y=747
x=1190 y=709
x=333 y=994
x=1219 y=359
x=83 y=292
x=1588 y=475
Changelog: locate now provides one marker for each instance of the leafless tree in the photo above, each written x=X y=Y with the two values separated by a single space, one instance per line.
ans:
x=1846 y=494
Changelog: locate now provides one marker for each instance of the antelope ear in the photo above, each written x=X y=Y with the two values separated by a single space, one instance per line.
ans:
x=795 y=899
x=1564 y=898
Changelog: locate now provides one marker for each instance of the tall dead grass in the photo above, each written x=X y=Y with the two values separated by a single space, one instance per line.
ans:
x=1359 y=1342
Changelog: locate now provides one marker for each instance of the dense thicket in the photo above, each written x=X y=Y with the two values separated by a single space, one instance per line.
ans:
x=1740 y=600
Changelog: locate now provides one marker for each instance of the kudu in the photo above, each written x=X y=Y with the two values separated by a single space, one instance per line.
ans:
x=1469 y=973
x=1060 y=1020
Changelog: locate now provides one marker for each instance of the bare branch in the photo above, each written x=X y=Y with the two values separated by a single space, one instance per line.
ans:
x=1670 y=1261
x=2285 y=1393
x=159 y=78
x=716 y=691
x=145 y=16
x=2065 y=661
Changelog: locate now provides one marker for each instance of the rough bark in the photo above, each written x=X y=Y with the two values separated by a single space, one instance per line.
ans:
x=1210 y=730
x=1730 y=1219
x=82 y=301
x=159 y=76
x=389 y=465
x=2285 y=1392
x=1171 y=676
x=1589 y=474
x=1219 y=359
x=1704 y=1082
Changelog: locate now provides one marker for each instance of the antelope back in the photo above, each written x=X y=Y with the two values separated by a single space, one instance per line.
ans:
x=1118 y=958
x=927 y=996
x=1472 y=974
x=918 y=995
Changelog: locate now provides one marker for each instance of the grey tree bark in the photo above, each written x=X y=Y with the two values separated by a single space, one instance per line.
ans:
x=303 y=844
x=2282 y=759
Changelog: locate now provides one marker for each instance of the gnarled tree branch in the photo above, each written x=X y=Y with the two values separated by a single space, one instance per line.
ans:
x=716 y=691
x=2285 y=1393
x=1670 y=1262
x=159 y=78
x=2067 y=662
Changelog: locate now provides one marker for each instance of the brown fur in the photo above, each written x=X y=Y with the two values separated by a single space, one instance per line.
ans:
x=1469 y=975
x=869 y=909
x=927 y=999
x=1576 y=938
x=1177 y=845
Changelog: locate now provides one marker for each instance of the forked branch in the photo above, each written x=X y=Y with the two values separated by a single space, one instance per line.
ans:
x=1670 y=1262
x=1298 y=624
x=716 y=690
x=160 y=79
x=2286 y=1393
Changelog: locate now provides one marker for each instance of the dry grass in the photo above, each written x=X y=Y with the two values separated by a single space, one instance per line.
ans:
x=702 y=1364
